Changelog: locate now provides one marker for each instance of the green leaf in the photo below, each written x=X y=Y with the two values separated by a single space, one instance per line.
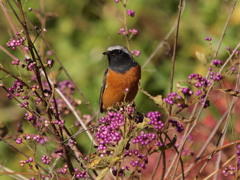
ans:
x=103 y=173
x=120 y=147
x=142 y=125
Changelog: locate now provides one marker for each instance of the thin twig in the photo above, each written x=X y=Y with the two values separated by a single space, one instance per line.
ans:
x=202 y=106
x=211 y=154
x=76 y=115
x=224 y=29
x=160 y=45
x=11 y=173
x=180 y=5
x=156 y=166
x=214 y=172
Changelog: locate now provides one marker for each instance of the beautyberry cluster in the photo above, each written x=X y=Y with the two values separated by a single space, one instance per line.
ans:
x=29 y=64
x=19 y=140
x=229 y=171
x=179 y=127
x=35 y=137
x=109 y=132
x=198 y=81
x=23 y=162
x=131 y=12
x=63 y=170
x=174 y=98
x=46 y=159
x=215 y=76
x=136 y=52
x=139 y=160
x=125 y=32
x=80 y=174
x=187 y=92
x=119 y=172
x=144 y=138
x=129 y=33
x=15 y=41
x=208 y=39
x=155 y=120
x=16 y=62
x=217 y=62
x=16 y=89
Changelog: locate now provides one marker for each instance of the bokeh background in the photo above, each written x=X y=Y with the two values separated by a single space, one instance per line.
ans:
x=80 y=30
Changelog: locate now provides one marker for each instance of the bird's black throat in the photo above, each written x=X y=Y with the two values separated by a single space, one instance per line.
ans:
x=120 y=61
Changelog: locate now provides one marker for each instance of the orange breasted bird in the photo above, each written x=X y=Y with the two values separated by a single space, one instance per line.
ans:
x=121 y=79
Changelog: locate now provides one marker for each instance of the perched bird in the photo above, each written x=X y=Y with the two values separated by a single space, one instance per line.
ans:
x=121 y=79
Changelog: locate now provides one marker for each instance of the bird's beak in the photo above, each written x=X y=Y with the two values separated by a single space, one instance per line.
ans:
x=105 y=53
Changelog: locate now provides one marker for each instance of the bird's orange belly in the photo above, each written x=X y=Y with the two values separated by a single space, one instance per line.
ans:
x=121 y=87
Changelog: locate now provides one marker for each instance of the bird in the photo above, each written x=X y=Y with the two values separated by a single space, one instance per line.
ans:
x=121 y=78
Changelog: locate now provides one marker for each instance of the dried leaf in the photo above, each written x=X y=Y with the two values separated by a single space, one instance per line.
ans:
x=201 y=57
x=159 y=101
x=231 y=92
x=100 y=162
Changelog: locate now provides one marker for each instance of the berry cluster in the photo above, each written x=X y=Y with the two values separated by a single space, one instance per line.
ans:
x=16 y=89
x=217 y=62
x=144 y=138
x=19 y=140
x=215 y=76
x=14 y=42
x=16 y=62
x=187 y=92
x=23 y=162
x=35 y=137
x=179 y=127
x=30 y=117
x=50 y=63
x=80 y=174
x=63 y=170
x=198 y=81
x=140 y=159
x=128 y=32
x=208 y=39
x=46 y=159
x=136 y=52
x=125 y=32
x=155 y=120
x=206 y=103
x=174 y=98
x=131 y=12
x=130 y=110
x=133 y=31
x=109 y=131
x=229 y=171
x=57 y=152
x=119 y=172
x=29 y=64
x=159 y=144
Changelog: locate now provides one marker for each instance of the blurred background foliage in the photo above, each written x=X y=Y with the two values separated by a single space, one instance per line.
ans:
x=80 y=30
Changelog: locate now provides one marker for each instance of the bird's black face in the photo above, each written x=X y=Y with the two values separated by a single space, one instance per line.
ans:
x=120 y=60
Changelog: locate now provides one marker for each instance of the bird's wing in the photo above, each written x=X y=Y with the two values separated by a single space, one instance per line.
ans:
x=102 y=90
